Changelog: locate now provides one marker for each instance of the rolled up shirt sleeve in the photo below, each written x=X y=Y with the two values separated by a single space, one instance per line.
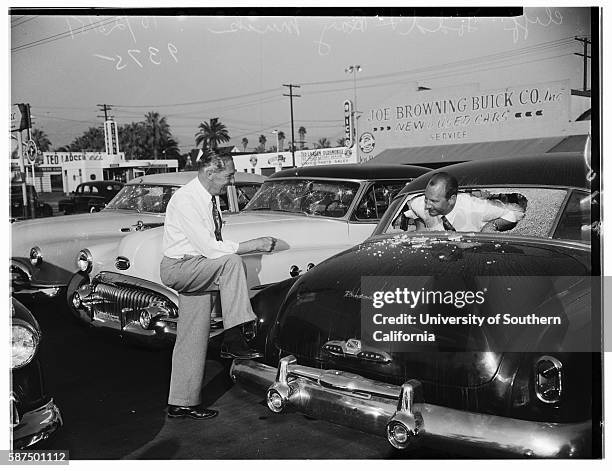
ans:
x=416 y=206
x=493 y=209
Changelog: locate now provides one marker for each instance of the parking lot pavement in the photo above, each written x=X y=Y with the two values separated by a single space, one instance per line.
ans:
x=113 y=400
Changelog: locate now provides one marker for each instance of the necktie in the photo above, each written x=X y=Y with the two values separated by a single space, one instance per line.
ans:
x=217 y=219
x=447 y=225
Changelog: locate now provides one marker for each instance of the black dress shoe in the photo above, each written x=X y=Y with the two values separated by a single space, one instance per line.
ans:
x=193 y=412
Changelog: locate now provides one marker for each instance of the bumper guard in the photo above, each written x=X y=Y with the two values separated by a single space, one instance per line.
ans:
x=399 y=414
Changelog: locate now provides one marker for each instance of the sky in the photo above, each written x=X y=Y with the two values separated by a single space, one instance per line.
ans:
x=193 y=68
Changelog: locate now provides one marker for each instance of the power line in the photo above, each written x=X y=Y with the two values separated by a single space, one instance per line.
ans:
x=15 y=24
x=65 y=34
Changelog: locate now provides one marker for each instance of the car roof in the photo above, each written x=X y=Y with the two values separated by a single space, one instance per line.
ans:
x=564 y=169
x=181 y=178
x=354 y=171
x=101 y=183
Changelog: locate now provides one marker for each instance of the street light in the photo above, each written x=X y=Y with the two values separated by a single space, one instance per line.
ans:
x=353 y=69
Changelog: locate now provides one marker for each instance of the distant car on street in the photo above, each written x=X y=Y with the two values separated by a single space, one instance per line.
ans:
x=41 y=209
x=90 y=197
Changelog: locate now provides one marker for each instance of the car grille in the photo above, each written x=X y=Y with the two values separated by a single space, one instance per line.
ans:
x=122 y=304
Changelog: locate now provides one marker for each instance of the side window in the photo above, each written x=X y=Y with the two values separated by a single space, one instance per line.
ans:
x=376 y=201
x=575 y=222
x=79 y=190
x=94 y=189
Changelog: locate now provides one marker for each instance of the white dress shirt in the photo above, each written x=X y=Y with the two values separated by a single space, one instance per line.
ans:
x=470 y=213
x=189 y=228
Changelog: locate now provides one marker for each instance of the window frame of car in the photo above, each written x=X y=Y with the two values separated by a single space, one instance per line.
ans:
x=569 y=191
x=362 y=190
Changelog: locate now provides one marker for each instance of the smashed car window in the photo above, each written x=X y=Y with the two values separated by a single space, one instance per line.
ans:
x=143 y=198
x=541 y=207
x=376 y=201
x=313 y=197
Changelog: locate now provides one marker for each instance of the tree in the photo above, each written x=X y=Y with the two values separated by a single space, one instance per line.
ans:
x=245 y=143
x=92 y=140
x=158 y=131
x=341 y=141
x=262 y=143
x=133 y=140
x=322 y=143
x=42 y=140
x=281 y=140
x=302 y=133
x=211 y=134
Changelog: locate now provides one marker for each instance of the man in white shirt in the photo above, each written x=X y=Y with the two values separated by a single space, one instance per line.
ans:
x=443 y=209
x=197 y=259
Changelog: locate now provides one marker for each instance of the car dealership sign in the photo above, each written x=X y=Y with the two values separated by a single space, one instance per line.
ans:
x=453 y=116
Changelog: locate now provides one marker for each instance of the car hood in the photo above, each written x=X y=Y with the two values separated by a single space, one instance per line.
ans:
x=144 y=249
x=325 y=304
x=60 y=238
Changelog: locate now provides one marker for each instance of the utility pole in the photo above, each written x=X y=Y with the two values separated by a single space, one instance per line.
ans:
x=291 y=95
x=585 y=43
x=105 y=108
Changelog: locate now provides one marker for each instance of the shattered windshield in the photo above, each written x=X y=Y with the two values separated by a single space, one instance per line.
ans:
x=312 y=197
x=143 y=198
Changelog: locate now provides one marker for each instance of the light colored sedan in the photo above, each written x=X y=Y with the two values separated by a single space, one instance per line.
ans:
x=44 y=251
x=313 y=212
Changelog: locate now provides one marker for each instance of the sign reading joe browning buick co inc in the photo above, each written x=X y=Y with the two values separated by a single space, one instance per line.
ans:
x=454 y=116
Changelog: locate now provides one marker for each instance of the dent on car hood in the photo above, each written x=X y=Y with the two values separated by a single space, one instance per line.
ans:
x=325 y=303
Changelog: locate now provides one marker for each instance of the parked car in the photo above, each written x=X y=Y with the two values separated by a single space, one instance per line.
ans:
x=41 y=209
x=34 y=414
x=44 y=252
x=90 y=197
x=313 y=212
x=511 y=390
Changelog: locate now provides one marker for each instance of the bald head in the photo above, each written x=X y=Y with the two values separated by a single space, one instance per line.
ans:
x=441 y=194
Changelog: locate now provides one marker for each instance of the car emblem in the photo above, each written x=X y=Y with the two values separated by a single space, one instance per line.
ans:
x=353 y=346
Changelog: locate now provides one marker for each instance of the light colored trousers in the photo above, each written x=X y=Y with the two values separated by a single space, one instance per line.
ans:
x=192 y=277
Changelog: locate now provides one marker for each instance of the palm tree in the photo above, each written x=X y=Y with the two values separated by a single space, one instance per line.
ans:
x=262 y=143
x=302 y=133
x=245 y=142
x=281 y=140
x=211 y=134
x=42 y=140
x=341 y=141
x=322 y=143
x=158 y=130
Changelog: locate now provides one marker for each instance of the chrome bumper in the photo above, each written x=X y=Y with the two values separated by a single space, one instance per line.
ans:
x=35 y=425
x=395 y=412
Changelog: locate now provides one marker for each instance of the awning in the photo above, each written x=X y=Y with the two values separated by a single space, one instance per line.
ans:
x=474 y=151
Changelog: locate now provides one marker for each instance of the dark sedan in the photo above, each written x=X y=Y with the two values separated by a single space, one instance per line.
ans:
x=90 y=197
x=41 y=209
x=34 y=414
x=481 y=342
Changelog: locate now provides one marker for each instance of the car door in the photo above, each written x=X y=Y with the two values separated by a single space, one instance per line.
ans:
x=81 y=198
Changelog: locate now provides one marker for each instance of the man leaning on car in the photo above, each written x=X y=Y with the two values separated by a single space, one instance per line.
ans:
x=197 y=259
x=442 y=208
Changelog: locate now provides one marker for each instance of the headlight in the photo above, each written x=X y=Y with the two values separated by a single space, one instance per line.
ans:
x=36 y=257
x=84 y=261
x=25 y=341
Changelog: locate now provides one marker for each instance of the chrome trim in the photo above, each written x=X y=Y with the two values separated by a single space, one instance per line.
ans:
x=36 y=255
x=559 y=366
x=37 y=425
x=369 y=405
x=87 y=258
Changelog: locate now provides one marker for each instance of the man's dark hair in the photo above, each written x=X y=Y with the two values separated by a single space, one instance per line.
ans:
x=210 y=159
x=450 y=183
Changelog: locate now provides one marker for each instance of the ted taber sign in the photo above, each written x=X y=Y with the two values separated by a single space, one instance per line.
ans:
x=451 y=117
